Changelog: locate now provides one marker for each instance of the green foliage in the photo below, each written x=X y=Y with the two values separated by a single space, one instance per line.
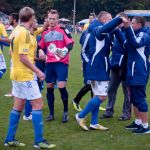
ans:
x=65 y=7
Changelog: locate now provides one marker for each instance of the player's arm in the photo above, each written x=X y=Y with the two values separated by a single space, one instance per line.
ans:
x=121 y=38
x=101 y=32
x=40 y=49
x=4 y=37
x=24 y=59
x=69 y=46
x=136 y=42
x=41 y=29
x=62 y=52
x=24 y=39
x=68 y=40
x=41 y=53
x=7 y=40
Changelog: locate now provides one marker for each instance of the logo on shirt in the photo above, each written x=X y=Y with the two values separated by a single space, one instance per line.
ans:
x=25 y=50
x=53 y=36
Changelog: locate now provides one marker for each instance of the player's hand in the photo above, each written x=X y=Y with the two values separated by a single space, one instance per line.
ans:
x=40 y=75
x=53 y=49
x=42 y=55
x=45 y=26
x=126 y=22
x=62 y=52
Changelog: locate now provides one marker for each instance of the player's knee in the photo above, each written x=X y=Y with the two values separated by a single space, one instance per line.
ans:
x=103 y=98
x=62 y=84
x=19 y=107
x=37 y=105
x=50 y=85
x=142 y=106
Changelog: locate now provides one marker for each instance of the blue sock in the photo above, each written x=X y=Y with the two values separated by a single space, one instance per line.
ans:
x=37 y=120
x=13 y=125
x=92 y=104
x=50 y=99
x=94 y=119
x=28 y=109
x=64 y=97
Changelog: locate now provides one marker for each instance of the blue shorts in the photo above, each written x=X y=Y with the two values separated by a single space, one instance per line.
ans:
x=138 y=97
x=56 y=72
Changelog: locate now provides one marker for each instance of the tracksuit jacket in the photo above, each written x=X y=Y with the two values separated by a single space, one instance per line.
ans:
x=98 y=67
x=137 y=43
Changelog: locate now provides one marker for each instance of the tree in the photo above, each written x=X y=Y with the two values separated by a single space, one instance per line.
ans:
x=65 y=7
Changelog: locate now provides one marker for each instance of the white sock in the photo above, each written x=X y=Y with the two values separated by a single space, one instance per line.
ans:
x=145 y=125
x=138 y=121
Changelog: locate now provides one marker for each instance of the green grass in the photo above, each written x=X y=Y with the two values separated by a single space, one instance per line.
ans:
x=69 y=136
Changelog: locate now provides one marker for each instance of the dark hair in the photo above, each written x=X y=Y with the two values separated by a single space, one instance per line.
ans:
x=54 y=11
x=102 y=13
x=15 y=16
x=92 y=14
x=140 y=19
x=45 y=16
x=25 y=14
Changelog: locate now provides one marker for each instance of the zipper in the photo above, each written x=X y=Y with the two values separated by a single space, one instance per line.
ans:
x=120 y=61
x=106 y=63
x=133 y=65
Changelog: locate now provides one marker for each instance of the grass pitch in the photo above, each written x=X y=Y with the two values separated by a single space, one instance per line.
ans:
x=69 y=136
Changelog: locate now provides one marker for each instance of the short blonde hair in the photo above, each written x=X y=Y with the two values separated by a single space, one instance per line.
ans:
x=102 y=13
x=25 y=14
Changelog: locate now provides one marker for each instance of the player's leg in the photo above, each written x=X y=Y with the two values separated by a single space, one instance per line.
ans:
x=37 y=117
x=86 y=88
x=100 y=89
x=93 y=106
x=112 y=91
x=137 y=122
x=28 y=108
x=62 y=80
x=27 y=111
x=50 y=79
x=15 y=115
x=142 y=106
x=126 y=113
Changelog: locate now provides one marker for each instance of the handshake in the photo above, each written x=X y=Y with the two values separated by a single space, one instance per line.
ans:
x=58 y=52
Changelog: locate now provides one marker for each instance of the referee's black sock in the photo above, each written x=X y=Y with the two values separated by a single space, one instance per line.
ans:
x=64 y=97
x=50 y=100
x=82 y=92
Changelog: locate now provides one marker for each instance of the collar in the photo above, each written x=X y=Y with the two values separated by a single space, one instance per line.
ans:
x=54 y=28
x=137 y=31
